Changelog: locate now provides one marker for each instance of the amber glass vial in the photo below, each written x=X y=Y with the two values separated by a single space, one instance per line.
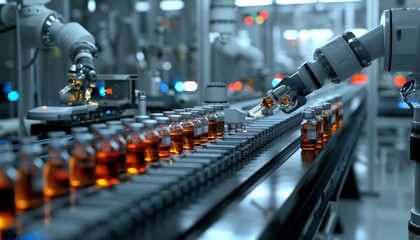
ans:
x=188 y=130
x=202 y=116
x=120 y=131
x=107 y=159
x=7 y=193
x=333 y=114
x=136 y=148
x=152 y=140
x=82 y=162
x=154 y=116
x=28 y=188
x=197 y=127
x=309 y=136
x=56 y=169
x=327 y=122
x=165 y=136
x=220 y=120
x=211 y=116
x=339 y=102
x=177 y=134
x=319 y=128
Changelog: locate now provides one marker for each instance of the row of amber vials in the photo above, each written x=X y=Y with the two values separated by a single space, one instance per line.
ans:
x=326 y=118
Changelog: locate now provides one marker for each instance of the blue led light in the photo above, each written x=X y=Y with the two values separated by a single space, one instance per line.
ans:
x=7 y=87
x=99 y=84
x=108 y=112
x=275 y=81
x=179 y=86
x=102 y=91
x=404 y=105
x=164 y=87
x=13 y=96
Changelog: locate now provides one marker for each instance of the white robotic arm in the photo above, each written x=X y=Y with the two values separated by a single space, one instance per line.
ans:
x=43 y=27
x=396 y=41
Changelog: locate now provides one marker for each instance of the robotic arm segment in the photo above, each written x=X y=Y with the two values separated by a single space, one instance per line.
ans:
x=339 y=59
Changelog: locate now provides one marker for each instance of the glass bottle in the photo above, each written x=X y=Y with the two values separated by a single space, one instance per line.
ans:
x=156 y=115
x=165 y=136
x=319 y=127
x=327 y=122
x=82 y=161
x=340 y=106
x=107 y=159
x=188 y=130
x=168 y=113
x=177 y=134
x=120 y=131
x=28 y=188
x=76 y=130
x=126 y=124
x=178 y=111
x=94 y=128
x=220 y=120
x=136 y=148
x=212 y=118
x=141 y=118
x=197 y=127
x=7 y=183
x=309 y=138
x=56 y=169
x=202 y=116
x=152 y=140
x=333 y=114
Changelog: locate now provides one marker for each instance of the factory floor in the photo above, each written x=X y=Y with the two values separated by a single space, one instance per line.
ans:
x=384 y=212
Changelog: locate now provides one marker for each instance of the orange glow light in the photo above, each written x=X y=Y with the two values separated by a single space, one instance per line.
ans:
x=259 y=20
x=231 y=87
x=279 y=75
x=359 y=78
x=109 y=91
x=103 y=183
x=399 y=80
x=248 y=20
x=264 y=14
x=237 y=85
x=132 y=171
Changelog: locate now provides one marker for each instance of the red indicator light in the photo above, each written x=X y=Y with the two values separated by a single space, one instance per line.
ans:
x=109 y=91
x=399 y=80
x=248 y=20
x=264 y=14
x=237 y=85
x=360 y=78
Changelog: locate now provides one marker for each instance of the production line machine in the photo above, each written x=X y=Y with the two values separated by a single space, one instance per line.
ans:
x=251 y=183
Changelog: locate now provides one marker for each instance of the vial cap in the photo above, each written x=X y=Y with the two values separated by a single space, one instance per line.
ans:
x=29 y=140
x=178 y=111
x=156 y=115
x=187 y=109
x=162 y=120
x=209 y=109
x=127 y=121
x=175 y=117
x=97 y=126
x=76 y=130
x=195 y=113
x=83 y=138
x=119 y=129
x=308 y=114
x=326 y=106
x=318 y=109
x=136 y=127
x=218 y=107
x=113 y=123
x=150 y=123
x=168 y=113
x=106 y=133
x=56 y=134
x=141 y=118
x=201 y=111
x=186 y=115
x=7 y=155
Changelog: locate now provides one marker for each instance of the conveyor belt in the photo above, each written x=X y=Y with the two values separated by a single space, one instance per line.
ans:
x=202 y=192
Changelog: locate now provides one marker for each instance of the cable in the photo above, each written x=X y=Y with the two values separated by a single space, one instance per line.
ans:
x=30 y=63
x=7 y=29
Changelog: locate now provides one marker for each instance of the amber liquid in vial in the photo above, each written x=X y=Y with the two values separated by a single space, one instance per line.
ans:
x=267 y=102
x=177 y=139
x=327 y=128
x=135 y=159
x=320 y=131
x=212 y=133
x=56 y=180
x=334 y=123
x=188 y=140
x=164 y=150
x=28 y=190
x=220 y=129
x=81 y=172
x=152 y=149
x=106 y=169
x=309 y=141
x=204 y=137
x=7 y=205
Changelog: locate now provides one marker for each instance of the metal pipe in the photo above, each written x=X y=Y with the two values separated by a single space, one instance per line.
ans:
x=203 y=38
x=18 y=70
